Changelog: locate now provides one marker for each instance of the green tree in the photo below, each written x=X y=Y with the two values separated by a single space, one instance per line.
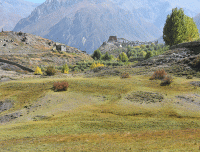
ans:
x=148 y=55
x=192 y=30
x=106 y=56
x=123 y=57
x=96 y=55
x=142 y=54
x=179 y=28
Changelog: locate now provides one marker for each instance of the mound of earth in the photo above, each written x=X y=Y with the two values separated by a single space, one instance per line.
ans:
x=145 y=97
x=193 y=99
x=182 y=59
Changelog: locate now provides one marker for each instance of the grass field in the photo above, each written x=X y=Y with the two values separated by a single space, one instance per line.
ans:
x=95 y=115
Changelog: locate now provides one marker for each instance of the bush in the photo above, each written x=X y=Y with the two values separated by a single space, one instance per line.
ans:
x=65 y=69
x=50 y=70
x=196 y=63
x=106 y=57
x=123 y=57
x=94 y=65
x=96 y=55
x=125 y=75
x=166 y=81
x=148 y=55
x=159 y=74
x=189 y=77
x=60 y=86
x=38 y=71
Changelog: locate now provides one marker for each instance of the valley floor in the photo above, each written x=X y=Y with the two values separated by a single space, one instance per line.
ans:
x=100 y=114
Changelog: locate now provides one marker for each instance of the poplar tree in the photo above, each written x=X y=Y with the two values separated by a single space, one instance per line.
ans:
x=179 y=28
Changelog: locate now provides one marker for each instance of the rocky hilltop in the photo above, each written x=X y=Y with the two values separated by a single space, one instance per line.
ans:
x=31 y=51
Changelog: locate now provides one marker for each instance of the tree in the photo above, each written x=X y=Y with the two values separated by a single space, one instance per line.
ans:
x=148 y=55
x=38 y=71
x=123 y=57
x=96 y=55
x=142 y=54
x=179 y=28
x=65 y=69
x=106 y=56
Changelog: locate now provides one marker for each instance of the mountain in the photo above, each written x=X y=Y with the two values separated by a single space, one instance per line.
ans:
x=156 y=11
x=86 y=24
x=197 y=20
x=12 y=11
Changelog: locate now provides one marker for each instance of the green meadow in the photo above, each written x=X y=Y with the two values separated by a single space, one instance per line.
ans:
x=94 y=114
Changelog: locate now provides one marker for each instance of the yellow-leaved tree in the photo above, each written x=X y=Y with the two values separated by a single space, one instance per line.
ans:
x=38 y=71
x=65 y=69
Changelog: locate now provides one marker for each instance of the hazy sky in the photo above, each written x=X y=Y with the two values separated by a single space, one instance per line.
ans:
x=36 y=1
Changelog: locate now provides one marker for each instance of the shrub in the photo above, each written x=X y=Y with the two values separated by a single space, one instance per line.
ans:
x=196 y=63
x=159 y=74
x=189 y=77
x=125 y=75
x=65 y=69
x=123 y=57
x=94 y=65
x=60 y=86
x=148 y=55
x=38 y=71
x=166 y=81
x=50 y=70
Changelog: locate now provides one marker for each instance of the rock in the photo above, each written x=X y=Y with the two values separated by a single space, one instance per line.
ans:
x=6 y=105
x=195 y=83
x=9 y=117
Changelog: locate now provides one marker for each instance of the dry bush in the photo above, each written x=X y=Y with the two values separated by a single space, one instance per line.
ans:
x=159 y=74
x=50 y=70
x=166 y=81
x=125 y=75
x=60 y=86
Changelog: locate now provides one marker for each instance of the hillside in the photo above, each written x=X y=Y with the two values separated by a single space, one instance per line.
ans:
x=12 y=11
x=86 y=24
x=31 y=51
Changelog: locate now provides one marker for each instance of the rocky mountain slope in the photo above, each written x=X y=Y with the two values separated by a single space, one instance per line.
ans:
x=12 y=11
x=86 y=24
x=31 y=51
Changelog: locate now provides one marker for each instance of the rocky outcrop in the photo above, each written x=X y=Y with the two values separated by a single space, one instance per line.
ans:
x=16 y=64
x=195 y=44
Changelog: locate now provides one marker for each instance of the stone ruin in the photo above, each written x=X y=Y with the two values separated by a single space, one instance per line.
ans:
x=122 y=42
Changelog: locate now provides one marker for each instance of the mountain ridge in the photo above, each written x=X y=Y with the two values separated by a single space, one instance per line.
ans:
x=12 y=11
